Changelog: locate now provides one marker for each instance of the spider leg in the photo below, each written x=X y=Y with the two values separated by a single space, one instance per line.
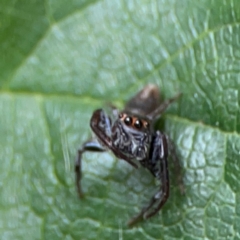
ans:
x=158 y=166
x=89 y=146
x=162 y=195
x=104 y=134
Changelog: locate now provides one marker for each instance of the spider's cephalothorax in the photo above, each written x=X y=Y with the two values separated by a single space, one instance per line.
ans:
x=130 y=136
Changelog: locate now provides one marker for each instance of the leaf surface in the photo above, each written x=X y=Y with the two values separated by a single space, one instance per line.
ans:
x=60 y=61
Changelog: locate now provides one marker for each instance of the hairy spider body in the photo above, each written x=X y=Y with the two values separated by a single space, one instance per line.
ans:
x=129 y=134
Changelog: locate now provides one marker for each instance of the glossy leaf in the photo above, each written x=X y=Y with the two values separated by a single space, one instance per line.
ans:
x=61 y=60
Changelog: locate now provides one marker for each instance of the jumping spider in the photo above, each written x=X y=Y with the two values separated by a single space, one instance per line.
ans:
x=129 y=134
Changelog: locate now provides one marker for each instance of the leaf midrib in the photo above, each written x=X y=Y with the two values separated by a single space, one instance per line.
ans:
x=40 y=97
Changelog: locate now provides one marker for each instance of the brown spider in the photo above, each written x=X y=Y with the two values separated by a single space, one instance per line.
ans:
x=129 y=134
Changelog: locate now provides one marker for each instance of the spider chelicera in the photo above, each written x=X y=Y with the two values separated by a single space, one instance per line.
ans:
x=129 y=134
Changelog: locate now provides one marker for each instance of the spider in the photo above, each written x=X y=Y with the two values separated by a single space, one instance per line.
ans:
x=130 y=135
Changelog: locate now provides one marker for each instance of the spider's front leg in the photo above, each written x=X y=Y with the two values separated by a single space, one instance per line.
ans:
x=158 y=166
x=89 y=146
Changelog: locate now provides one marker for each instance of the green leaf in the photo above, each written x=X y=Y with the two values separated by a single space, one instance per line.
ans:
x=61 y=60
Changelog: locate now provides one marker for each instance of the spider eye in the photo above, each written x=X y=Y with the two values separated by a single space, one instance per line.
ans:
x=138 y=124
x=128 y=121
x=120 y=115
x=146 y=125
